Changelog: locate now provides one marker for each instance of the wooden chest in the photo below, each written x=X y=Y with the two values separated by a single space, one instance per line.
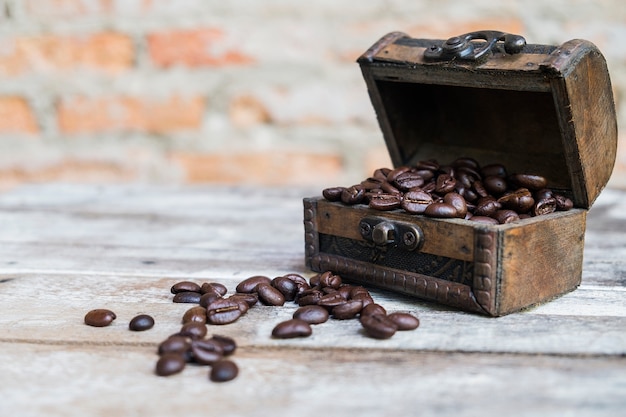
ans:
x=488 y=96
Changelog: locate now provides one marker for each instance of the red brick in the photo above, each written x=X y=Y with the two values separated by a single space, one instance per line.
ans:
x=266 y=168
x=248 y=111
x=16 y=116
x=195 y=48
x=108 y=52
x=119 y=114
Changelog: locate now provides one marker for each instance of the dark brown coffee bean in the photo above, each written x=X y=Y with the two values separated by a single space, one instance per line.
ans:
x=353 y=195
x=292 y=328
x=532 y=182
x=520 y=200
x=170 y=364
x=269 y=295
x=311 y=314
x=388 y=188
x=506 y=216
x=415 y=202
x=193 y=330
x=545 y=206
x=373 y=309
x=100 y=317
x=445 y=184
x=441 y=210
x=223 y=311
x=214 y=287
x=184 y=286
x=484 y=220
x=331 y=300
x=288 y=288
x=408 y=180
x=249 y=285
x=345 y=290
x=470 y=195
x=187 y=297
x=378 y=326
x=458 y=202
x=394 y=173
x=494 y=184
x=404 y=321
x=333 y=193
x=365 y=299
x=430 y=165
x=250 y=298
x=174 y=344
x=465 y=162
x=309 y=297
x=195 y=315
x=141 y=322
x=208 y=297
x=385 y=202
x=206 y=351
x=329 y=279
x=381 y=173
x=228 y=344
x=348 y=310
x=543 y=193
x=486 y=206
x=480 y=189
x=223 y=371
x=563 y=203
x=496 y=170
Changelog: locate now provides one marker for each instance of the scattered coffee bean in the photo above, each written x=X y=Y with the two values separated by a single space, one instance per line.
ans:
x=287 y=287
x=214 y=286
x=174 y=344
x=312 y=314
x=373 y=309
x=195 y=314
x=292 y=328
x=185 y=286
x=269 y=295
x=228 y=344
x=223 y=311
x=193 y=330
x=187 y=297
x=141 y=322
x=223 y=371
x=206 y=351
x=404 y=321
x=99 y=317
x=249 y=285
x=170 y=364
x=378 y=326
x=348 y=310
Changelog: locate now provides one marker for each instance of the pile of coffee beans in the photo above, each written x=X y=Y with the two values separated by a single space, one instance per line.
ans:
x=462 y=189
x=321 y=297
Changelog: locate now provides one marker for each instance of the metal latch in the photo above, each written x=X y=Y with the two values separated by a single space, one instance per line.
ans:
x=383 y=231
x=462 y=48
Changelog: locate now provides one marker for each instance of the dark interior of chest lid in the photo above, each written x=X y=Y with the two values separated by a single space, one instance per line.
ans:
x=518 y=129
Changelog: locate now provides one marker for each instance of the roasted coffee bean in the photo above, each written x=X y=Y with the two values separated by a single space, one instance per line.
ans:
x=250 y=298
x=470 y=195
x=430 y=165
x=193 y=330
x=348 y=310
x=373 y=309
x=330 y=280
x=494 y=184
x=312 y=314
x=353 y=195
x=187 y=297
x=441 y=210
x=292 y=328
x=214 y=287
x=141 y=322
x=174 y=344
x=365 y=299
x=484 y=220
x=309 y=297
x=371 y=183
x=415 y=202
x=269 y=295
x=404 y=321
x=396 y=172
x=496 y=170
x=385 y=202
x=331 y=300
x=223 y=371
x=378 y=326
x=465 y=162
x=388 y=188
x=545 y=206
x=458 y=202
x=381 y=173
x=287 y=287
x=208 y=297
x=563 y=203
x=506 y=216
x=243 y=304
x=445 y=183
x=486 y=206
x=543 y=193
x=314 y=281
x=228 y=344
x=184 y=286
x=333 y=193
x=206 y=351
x=408 y=180
x=249 y=285
x=345 y=290
x=223 y=311
x=195 y=315
x=100 y=317
x=520 y=200
x=170 y=364
x=532 y=182
x=480 y=189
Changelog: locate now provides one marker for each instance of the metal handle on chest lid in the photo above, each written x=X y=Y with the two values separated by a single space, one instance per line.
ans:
x=462 y=47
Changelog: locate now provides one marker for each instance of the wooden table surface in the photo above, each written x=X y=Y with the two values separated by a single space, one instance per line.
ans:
x=67 y=249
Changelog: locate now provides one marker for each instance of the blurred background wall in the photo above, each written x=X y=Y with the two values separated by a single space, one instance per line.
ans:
x=232 y=91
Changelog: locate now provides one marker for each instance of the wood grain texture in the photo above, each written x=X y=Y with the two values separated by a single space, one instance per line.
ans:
x=67 y=249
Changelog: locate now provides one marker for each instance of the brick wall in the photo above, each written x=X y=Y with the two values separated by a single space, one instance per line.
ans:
x=238 y=91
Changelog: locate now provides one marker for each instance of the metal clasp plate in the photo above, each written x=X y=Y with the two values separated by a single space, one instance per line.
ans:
x=383 y=231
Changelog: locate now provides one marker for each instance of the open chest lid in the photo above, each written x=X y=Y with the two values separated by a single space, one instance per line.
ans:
x=536 y=109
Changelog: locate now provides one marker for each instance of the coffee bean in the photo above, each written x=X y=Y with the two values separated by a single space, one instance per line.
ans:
x=329 y=279
x=249 y=285
x=292 y=328
x=184 y=286
x=141 y=322
x=206 y=351
x=208 y=297
x=458 y=202
x=445 y=183
x=312 y=314
x=408 y=180
x=484 y=220
x=545 y=206
x=170 y=364
x=532 y=182
x=441 y=210
x=228 y=344
x=496 y=170
x=385 y=202
x=193 y=330
x=563 y=203
x=174 y=344
x=309 y=297
x=495 y=184
x=99 y=317
x=331 y=300
x=187 y=297
x=506 y=216
x=287 y=287
x=348 y=310
x=520 y=200
x=353 y=195
x=394 y=173
x=373 y=309
x=195 y=315
x=223 y=311
x=269 y=295
x=378 y=326
x=249 y=298
x=223 y=371
x=404 y=321
x=333 y=193
x=486 y=206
